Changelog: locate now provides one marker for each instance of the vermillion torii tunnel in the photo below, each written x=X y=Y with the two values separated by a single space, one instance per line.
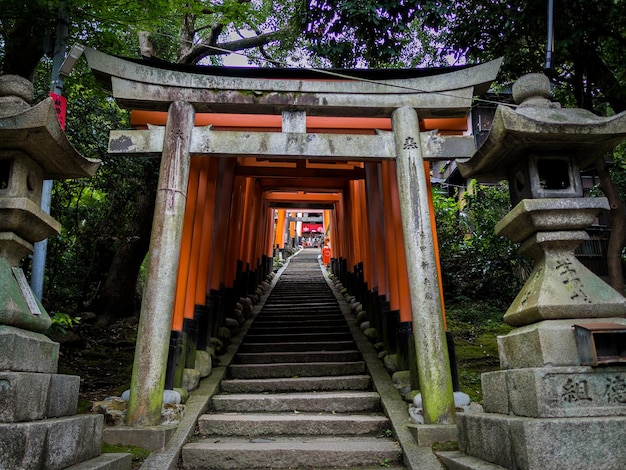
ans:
x=242 y=149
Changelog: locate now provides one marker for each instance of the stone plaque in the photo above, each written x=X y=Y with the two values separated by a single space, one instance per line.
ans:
x=29 y=297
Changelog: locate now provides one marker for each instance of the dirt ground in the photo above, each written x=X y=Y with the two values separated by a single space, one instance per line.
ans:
x=102 y=357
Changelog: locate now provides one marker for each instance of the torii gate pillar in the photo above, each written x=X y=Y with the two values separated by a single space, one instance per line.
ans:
x=428 y=329
x=148 y=380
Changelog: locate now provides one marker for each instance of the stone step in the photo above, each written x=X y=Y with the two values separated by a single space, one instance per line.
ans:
x=291 y=424
x=288 y=331
x=320 y=303
x=300 y=356
x=50 y=443
x=269 y=338
x=327 y=402
x=279 y=453
x=310 y=369
x=279 y=320
x=298 y=346
x=299 y=384
x=311 y=311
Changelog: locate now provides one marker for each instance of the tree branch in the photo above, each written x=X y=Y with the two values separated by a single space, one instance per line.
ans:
x=618 y=227
x=200 y=51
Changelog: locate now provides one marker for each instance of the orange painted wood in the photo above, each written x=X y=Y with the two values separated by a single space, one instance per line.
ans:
x=219 y=238
x=196 y=241
x=313 y=123
x=185 y=248
x=234 y=231
x=377 y=225
x=403 y=276
x=279 y=235
x=210 y=168
x=393 y=294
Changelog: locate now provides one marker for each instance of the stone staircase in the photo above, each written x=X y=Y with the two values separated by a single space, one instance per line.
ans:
x=297 y=394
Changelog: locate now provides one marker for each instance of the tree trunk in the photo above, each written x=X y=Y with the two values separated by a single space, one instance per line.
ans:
x=118 y=297
x=618 y=228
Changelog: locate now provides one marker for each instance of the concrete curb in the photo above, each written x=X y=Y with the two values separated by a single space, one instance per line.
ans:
x=414 y=457
x=198 y=401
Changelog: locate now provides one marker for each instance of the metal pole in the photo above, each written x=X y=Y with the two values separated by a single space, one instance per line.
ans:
x=56 y=86
x=433 y=364
x=148 y=379
x=550 y=42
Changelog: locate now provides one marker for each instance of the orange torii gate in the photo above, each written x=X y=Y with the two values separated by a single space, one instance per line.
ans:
x=302 y=133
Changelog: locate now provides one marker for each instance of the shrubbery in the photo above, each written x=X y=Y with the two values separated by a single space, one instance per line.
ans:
x=476 y=263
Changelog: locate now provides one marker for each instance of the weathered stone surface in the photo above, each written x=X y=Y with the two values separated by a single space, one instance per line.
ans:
x=557 y=392
x=153 y=438
x=113 y=409
x=50 y=149
x=538 y=215
x=547 y=343
x=429 y=434
x=23 y=396
x=51 y=443
x=63 y=395
x=191 y=379
x=27 y=351
x=109 y=461
x=495 y=392
x=391 y=362
x=14 y=309
x=172 y=414
x=203 y=364
x=560 y=286
x=533 y=444
x=532 y=89
x=515 y=132
x=15 y=85
x=14 y=248
x=239 y=453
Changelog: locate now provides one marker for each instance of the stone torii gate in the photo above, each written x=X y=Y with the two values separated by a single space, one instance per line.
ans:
x=184 y=93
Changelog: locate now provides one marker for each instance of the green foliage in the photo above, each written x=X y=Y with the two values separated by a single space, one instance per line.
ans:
x=588 y=58
x=353 y=32
x=475 y=326
x=477 y=264
x=61 y=322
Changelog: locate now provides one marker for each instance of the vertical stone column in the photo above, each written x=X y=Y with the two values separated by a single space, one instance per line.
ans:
x=148 y=379
x=430 y=339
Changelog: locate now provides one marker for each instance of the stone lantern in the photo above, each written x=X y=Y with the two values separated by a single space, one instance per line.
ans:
x=39 y=427
x=32 y=148
x=551 y=406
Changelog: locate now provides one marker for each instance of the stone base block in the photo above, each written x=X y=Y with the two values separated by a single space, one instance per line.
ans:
x=27 y=351
x=553 y=392
x=23 y=396
x=153 y=438
x=27 y=396
x=428 y=434
x=537 y=444
x=106 y=462
x=454 y=460
x=63 y=395
x=51 y=444
x=547 y=343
